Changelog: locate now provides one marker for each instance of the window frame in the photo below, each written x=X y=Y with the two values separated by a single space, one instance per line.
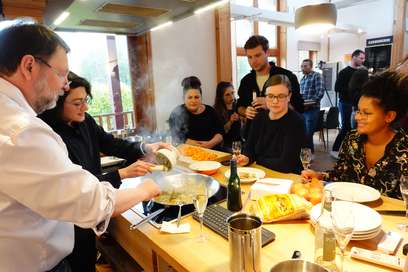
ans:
x=273 y=52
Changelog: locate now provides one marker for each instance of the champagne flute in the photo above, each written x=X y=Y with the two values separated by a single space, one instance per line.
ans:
x=236 y=149
x=404 y=193
x=343 y=225
x=306 y=157
x=200 y=200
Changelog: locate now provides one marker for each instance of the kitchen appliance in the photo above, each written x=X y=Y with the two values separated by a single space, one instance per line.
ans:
x=171 y=212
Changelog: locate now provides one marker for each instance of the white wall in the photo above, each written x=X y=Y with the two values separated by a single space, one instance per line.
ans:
x=183 y=49
x=375 y=18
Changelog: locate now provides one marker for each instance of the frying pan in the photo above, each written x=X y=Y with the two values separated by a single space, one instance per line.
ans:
x=180 y=189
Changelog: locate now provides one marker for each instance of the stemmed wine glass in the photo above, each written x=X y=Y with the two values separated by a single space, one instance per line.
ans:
x=306 y=157
x=236 y=149
x=404 y=193
x=343 y=225
x=200 y=200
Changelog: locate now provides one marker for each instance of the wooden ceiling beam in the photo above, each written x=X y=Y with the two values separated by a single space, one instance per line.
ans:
x=24 y=8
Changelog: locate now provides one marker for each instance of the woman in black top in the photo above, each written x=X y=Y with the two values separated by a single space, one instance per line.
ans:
x=85 y=140
x=278 y=134
x=194 y=122
x=225 y=106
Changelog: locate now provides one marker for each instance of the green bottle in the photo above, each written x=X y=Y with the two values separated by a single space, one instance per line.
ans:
x=234 y=202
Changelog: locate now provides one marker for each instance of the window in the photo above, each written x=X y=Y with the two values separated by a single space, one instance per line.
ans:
x=248 y=3
x=88 y=58
x=244 y=28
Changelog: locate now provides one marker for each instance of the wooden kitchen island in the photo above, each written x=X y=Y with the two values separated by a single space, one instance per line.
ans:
x=156 y=251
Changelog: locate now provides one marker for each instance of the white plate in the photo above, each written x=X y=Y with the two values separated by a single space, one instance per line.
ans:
x=366 y=237
x=204 y=165
x=254 y=172
x=110 y=161
x=367 y=220
x=355 y=192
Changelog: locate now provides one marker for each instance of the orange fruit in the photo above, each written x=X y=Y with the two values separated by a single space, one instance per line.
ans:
x=296 y=187
x=303 y=192
x=315 y=197
x=315 y=183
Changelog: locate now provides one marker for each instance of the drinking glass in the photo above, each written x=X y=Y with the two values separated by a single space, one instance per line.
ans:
x=200 y=200
x=343 y=225
x=306 y=157
x=236 y=149
x=404 y=193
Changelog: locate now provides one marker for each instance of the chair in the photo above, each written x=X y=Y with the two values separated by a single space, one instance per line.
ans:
x=331 y=122
x=320 y=127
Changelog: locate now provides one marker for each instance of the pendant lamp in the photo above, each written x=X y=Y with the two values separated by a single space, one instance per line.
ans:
x=316 y=18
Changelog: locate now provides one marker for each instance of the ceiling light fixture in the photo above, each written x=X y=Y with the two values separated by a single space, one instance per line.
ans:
x=161 y=26
x=211 y=6
x=61 y=18
x=316 y=18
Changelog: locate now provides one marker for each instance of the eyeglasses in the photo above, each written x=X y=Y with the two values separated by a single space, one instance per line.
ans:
x=279 y=97
x=62 y=77
x=363 y=114
x=80 y=102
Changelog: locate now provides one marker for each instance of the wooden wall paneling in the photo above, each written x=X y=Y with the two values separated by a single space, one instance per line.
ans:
x=223 y=43
x=24 y=8
x=141 y=74
x=282 y=36
x=397 y=50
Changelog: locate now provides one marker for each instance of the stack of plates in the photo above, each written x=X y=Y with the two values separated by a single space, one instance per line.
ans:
x=367 y=221
x=355 y=192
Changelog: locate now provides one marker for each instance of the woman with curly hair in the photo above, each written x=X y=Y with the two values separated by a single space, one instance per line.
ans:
x=376 y=153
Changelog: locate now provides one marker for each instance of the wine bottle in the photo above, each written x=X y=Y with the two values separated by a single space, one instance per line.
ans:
x=234 y=202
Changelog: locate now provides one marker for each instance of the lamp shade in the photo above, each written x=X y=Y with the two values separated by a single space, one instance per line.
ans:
x=316 y=17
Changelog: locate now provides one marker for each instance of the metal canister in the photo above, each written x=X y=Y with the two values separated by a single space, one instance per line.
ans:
x=244 y=235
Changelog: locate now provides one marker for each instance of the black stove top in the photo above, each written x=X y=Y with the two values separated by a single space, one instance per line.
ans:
x=170 y=213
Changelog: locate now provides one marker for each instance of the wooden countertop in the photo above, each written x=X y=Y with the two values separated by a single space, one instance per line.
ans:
x=154 y=250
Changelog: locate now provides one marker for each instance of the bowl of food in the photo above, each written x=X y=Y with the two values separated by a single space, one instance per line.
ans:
x=205 y=167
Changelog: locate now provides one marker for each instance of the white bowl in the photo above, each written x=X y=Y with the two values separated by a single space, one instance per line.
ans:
x=205 y=167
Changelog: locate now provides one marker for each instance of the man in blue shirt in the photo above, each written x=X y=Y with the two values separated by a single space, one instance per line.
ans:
x=312 y=91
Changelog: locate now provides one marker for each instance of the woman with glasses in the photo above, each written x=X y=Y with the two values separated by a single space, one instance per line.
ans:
x=194 y=122
x=376 y=153
x=277 y=134
x=85 y=140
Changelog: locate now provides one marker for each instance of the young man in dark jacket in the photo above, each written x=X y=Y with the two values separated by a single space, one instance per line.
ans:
x=251 y=89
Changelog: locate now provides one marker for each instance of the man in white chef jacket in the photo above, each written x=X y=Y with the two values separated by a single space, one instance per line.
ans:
x=42 y=193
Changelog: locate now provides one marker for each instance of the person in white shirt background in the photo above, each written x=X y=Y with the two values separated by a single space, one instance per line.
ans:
x=42 y=193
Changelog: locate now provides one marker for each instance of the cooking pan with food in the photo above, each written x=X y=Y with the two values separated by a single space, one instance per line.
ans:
x=178 y=190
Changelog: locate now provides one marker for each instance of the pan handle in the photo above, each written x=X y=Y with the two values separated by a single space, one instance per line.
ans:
x=147 y=218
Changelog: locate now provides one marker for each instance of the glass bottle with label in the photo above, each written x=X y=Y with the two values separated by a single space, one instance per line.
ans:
x=234 y=202
x=325 y=240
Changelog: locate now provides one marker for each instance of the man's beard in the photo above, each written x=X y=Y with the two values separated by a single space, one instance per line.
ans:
x=44 y=102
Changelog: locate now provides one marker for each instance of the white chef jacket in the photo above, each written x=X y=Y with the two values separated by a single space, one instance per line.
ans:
x=41 y=191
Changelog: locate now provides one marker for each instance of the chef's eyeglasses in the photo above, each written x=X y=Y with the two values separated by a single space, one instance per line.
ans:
x=62 y=77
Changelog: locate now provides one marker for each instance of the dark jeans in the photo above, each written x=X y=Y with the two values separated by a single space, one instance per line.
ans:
x=345 y=113
x=62 y=266
x=311 y=117
x=83 y=256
